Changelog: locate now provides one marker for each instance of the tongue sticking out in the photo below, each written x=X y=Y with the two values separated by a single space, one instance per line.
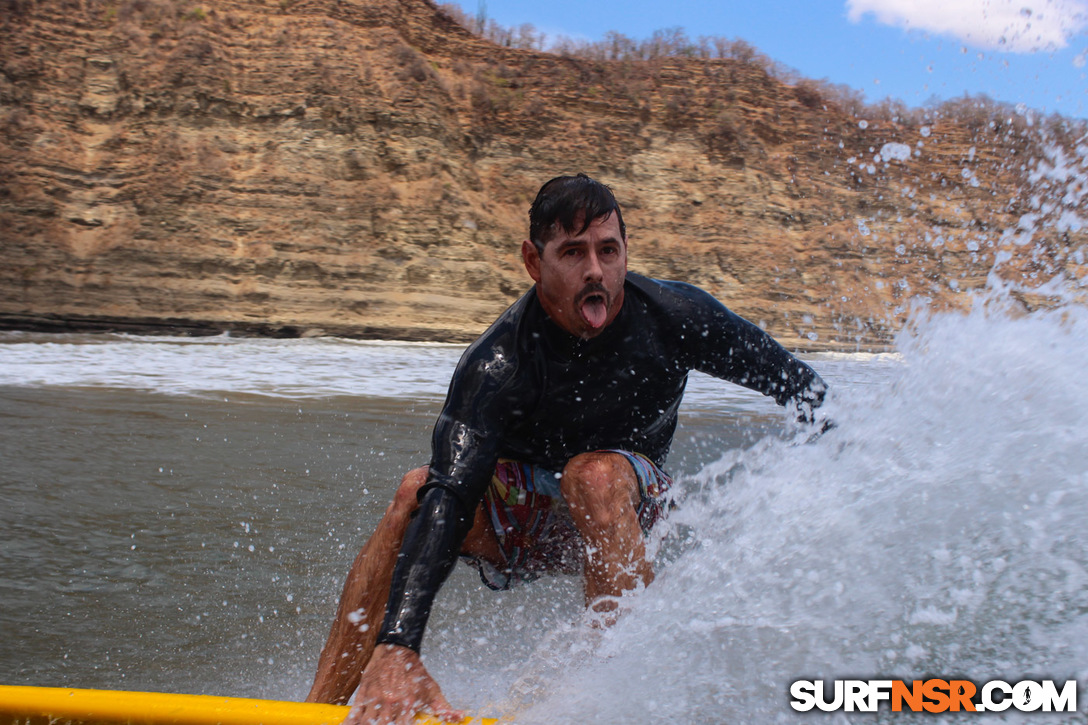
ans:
x=594 y=311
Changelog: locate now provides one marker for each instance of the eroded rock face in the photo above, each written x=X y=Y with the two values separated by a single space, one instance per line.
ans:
x=365 y=169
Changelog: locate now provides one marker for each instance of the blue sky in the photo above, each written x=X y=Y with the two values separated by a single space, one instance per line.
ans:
x=1033 y=52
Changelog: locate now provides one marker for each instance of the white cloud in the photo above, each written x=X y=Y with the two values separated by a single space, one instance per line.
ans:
x=1016 y=26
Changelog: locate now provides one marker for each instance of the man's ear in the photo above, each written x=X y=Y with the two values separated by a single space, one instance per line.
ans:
x=531 y=256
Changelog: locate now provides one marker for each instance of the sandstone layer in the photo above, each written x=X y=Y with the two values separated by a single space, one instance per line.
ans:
x=364 y=168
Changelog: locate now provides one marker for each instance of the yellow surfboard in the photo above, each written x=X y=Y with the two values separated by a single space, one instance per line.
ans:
x=62 y=705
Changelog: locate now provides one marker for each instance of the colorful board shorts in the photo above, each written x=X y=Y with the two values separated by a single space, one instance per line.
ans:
x=534 y=527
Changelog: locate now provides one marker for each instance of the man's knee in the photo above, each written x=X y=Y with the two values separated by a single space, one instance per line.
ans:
x=406 y=498
x=598 y=484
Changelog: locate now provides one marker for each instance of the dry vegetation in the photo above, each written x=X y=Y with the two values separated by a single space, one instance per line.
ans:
x=977 y=112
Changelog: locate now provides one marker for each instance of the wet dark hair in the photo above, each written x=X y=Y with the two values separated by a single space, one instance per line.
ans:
x=560 y=201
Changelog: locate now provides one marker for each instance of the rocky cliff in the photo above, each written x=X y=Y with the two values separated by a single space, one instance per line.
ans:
x=364 y=168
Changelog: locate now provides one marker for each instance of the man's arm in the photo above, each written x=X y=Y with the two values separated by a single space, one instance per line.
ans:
x=734 y=349
x=463 y=453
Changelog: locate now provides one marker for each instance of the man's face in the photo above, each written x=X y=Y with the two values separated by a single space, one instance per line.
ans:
x=579 y=277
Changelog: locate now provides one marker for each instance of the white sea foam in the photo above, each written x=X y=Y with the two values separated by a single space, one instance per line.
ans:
x=222 y=365
x=303 y=368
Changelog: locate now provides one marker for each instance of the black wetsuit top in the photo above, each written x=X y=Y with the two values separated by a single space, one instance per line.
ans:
x=530 y=391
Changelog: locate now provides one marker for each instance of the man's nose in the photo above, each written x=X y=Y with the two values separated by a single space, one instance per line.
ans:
x=593 y=271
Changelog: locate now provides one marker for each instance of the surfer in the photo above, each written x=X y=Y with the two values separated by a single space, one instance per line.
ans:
x=547 y=454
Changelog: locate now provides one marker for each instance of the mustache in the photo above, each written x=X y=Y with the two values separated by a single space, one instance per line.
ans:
x=592 y=288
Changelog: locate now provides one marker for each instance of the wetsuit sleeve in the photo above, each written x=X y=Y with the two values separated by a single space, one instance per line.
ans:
x=463 y=454
x=427 y=556
x=729 y=347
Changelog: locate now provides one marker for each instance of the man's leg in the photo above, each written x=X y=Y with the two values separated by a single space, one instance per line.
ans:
x=362 y=604
x=602 y=492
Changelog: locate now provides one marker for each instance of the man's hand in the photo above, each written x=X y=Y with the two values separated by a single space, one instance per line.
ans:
x=394 y=687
